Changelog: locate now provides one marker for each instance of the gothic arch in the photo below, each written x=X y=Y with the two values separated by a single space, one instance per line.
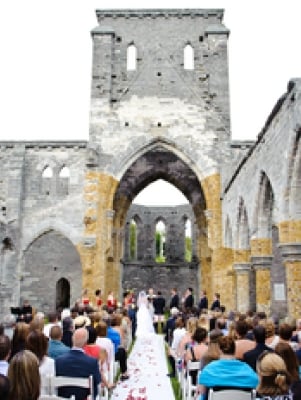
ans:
x=294 y=180
x=264 y=208
x=43 y=227
x=158 y=162
x=159 y=144
x=50 y=257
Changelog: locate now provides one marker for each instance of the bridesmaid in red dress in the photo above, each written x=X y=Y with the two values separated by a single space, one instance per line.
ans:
x=85 y=298
x=98 y=300
x=111 y=302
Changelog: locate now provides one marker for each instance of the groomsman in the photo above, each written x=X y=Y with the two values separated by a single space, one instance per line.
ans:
x=159 y=306
x=188 y=300
x=175 y=300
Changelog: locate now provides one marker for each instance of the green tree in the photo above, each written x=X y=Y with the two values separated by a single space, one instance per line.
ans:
x=133 y=240
x=188 y=249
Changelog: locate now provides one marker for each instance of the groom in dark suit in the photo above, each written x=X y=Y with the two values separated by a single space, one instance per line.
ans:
x=77 y=364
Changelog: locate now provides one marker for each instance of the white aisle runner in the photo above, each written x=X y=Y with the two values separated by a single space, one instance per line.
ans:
x=147 y=367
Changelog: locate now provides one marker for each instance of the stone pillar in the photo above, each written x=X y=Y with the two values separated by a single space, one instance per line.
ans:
x=242 y=286
x=262 y=266
x=291 y=255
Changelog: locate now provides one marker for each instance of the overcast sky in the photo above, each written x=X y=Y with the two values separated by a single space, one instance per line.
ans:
x=46 y=54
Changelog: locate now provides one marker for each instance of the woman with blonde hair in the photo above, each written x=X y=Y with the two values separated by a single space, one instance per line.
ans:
x=274 y=380
x=24 y=376
x=186 y=341
x=271 y=338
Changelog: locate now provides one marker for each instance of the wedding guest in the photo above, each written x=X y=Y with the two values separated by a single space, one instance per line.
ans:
x=203 y=302
x=4 y=354
x=175 y=300
x=24 y=376
x=242 y=344
x=19 y=338
x=216 y=305
x=274 y=381
x=4 y=387
x=56 y=347
x=37 y=343
x=98 y=299
x=68 y=328
x=227 y=371
x=285 y=351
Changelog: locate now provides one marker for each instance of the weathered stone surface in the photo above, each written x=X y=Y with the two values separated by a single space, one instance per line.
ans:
x=61 y=232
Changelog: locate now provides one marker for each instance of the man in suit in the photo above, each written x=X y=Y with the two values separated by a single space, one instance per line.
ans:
x=189 y=299
x=77 y=364
x=175 y=300
x=203 y=302
x=251 y=356
x=159 y=306
x=216 y=304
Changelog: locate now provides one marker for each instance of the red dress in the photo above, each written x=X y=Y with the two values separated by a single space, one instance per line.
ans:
x=92 y=350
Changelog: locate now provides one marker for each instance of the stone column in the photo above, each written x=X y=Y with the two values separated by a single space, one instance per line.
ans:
x=242 y=286
x=291 y=255
x=262 y=266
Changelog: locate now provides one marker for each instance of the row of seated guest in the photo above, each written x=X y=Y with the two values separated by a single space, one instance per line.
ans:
x=49 y=350
x=248 y=344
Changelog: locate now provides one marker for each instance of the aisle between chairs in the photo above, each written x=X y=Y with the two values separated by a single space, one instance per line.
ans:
x=147 y=367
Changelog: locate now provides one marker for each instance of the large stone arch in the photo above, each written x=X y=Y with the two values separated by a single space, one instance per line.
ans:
x=158 y=162
x=50 y=258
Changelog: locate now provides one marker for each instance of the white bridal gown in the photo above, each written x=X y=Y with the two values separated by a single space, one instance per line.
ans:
x=145 y=325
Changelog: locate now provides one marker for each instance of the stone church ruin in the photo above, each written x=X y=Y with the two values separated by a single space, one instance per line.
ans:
x=159 y=110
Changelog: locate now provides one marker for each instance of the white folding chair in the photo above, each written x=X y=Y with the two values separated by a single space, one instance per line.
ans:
x=60 y=381
x=188 y=387
x=231 y=394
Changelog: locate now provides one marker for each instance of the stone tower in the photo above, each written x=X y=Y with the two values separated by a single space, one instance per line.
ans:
x=159 y=109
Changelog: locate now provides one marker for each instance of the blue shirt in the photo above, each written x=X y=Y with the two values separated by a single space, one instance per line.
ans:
x=115 y=337
x=56 y=348
x=228 y=373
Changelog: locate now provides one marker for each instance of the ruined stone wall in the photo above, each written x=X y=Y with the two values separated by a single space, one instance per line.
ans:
x=262 y=186
x=32 y=206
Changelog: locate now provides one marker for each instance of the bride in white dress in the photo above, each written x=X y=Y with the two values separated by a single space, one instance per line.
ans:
x=145 y=325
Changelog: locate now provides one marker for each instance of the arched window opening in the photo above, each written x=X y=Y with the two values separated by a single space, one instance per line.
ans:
x=64 y=172
x=169 y=195
x=160 y=240
x=133 y=240
x=63 y=182
x=188 y=57
x=131 y=57
x=47 y=172
x=47 y=176
x=188 y=241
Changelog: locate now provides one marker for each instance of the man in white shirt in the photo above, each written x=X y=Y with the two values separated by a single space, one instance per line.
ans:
x=178 y=334
x=52 y=321
x=4 y=353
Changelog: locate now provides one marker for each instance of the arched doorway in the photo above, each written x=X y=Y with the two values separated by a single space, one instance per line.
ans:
x=62 y=294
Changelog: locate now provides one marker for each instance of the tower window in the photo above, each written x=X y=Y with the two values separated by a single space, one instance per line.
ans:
x=131 y=57
x=188 y=57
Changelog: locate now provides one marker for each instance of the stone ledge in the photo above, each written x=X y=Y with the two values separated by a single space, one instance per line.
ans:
x=290 y=251
x=261 y=262
x=240 y=268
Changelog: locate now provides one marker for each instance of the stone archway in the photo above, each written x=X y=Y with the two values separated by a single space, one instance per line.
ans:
x=47 y=260
x=159 y=163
